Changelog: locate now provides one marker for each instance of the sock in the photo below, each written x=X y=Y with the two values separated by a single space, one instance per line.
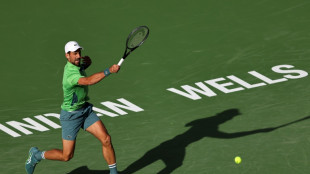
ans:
x=113 y=169
x=39 y=155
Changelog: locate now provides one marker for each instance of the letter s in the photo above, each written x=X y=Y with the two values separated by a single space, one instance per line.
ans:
x=300 y=73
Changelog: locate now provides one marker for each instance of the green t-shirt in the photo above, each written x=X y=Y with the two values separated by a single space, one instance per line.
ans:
x=75 y=95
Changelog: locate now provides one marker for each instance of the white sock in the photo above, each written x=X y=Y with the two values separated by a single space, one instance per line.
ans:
x=113 y=169
x=42 y=155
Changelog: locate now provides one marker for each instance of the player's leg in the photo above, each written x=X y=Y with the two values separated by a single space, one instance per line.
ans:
x=35 y=156
x=64 y=154
x=71 y=122
x=101 y=133
x=94 y=125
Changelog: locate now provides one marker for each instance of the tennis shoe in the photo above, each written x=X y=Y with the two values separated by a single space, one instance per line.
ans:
x=31 y=162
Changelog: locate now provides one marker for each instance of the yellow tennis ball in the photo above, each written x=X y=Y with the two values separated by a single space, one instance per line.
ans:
x=237 y=160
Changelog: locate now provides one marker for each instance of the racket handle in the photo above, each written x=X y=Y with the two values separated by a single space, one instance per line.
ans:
x=120 y=62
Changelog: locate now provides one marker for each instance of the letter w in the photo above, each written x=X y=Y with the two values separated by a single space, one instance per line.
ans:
x=127 y=105
x=191 y=91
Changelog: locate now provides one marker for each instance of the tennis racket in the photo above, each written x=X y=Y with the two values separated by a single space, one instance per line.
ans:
x=134 y=40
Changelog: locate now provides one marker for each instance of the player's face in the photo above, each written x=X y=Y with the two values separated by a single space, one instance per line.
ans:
x=74 y=57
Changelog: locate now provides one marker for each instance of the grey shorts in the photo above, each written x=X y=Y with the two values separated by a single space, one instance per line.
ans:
x=72 y=122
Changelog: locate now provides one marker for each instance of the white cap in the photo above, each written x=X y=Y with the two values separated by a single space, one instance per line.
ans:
x=72 y=46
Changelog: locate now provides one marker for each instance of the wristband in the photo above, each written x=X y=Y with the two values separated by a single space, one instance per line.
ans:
x=107 y=72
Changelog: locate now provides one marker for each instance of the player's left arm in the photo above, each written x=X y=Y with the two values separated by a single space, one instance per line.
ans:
x=86 y=61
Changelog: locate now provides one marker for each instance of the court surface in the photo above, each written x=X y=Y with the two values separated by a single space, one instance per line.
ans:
x=198 y=43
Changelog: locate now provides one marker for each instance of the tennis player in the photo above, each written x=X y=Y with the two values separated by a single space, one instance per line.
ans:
x=76 y=112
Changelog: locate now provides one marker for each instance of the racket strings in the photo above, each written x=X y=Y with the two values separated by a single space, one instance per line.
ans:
x=137 y=38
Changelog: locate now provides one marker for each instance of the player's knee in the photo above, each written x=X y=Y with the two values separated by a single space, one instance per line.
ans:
x=106 y=142
x=67 y=158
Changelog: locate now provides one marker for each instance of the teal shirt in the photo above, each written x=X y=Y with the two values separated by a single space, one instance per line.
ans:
x=75 y=95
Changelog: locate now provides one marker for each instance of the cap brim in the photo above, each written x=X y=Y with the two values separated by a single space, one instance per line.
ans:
x=72 y=50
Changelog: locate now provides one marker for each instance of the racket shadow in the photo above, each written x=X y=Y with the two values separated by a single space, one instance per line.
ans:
x=172 y=152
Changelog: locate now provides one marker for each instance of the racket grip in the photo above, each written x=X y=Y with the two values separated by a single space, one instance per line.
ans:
x=120 y=62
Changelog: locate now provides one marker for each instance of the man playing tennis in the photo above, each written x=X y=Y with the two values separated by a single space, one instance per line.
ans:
x=76 y=112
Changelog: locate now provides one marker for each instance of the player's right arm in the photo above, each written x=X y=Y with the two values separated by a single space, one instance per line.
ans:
x=97 y=77
x=91 y=80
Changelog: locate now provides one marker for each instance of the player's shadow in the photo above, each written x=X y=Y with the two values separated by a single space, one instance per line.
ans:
x=85 y=170
x=172 y=152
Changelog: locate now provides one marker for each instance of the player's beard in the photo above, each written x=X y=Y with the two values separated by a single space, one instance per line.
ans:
x=77 y=61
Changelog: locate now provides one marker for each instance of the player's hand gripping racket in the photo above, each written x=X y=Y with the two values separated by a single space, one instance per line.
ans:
x=134 y=40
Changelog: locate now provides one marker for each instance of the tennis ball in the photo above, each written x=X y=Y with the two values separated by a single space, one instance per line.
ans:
x=237 y=160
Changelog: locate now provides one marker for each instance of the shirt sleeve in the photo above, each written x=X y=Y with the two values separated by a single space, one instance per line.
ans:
x=74 y=77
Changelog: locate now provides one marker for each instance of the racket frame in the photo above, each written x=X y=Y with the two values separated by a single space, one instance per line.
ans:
x=132 y=49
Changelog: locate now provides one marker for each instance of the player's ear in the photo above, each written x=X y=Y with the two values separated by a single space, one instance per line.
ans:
x=67 y=55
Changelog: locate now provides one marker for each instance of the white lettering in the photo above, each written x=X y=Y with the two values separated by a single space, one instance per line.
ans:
x=218 y=83
x=266 y=79
x=190 y=91
x=103 y=112
x=47 y=121
x=52 y=115
x=128 y=106
x=46 y=118
x=243 y=83
x=9 y=131
x=33 y=125
x=222 y=86
x=278 y=69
